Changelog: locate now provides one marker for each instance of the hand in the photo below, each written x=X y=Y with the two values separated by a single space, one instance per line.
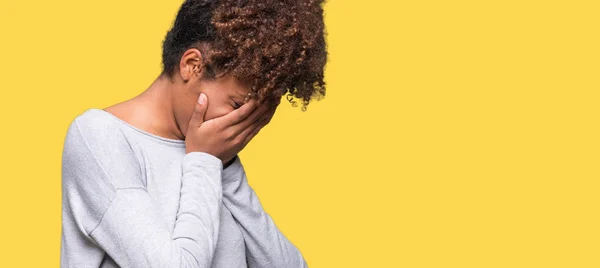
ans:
x=225 y=136
x=260 y=123
x=254 y=129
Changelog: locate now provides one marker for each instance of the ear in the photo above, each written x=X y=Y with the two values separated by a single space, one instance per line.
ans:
x=190 y=64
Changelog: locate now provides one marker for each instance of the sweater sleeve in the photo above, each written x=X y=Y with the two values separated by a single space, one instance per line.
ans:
x=266 y=245
x=125 y=221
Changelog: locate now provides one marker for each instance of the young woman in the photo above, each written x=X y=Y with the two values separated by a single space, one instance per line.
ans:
x=155 y=181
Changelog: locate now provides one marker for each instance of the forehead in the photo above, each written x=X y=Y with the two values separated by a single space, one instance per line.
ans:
x=234 y=86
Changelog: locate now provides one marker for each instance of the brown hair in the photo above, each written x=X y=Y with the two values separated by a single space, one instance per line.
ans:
x=276 y=46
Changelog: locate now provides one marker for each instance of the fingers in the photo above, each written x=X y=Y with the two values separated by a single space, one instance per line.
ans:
x=254 y=117
x=240 y=114
x=250 y=132
x=254 y=129
x=199 y=110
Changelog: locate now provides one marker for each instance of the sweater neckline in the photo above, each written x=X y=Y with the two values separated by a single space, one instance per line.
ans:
x=178 y=143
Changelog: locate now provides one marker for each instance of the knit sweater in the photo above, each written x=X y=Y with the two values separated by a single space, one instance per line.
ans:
x=134 y=199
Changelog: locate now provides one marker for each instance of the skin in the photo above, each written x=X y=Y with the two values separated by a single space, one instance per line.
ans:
x=167 y=106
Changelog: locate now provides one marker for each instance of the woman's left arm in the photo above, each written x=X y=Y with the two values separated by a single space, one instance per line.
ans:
x=266 y=246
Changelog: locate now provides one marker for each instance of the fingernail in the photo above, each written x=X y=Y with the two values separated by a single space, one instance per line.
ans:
x=202 y=98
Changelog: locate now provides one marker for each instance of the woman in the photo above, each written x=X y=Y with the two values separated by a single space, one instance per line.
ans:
x=155 y=181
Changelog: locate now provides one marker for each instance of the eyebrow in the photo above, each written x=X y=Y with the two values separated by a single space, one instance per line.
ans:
x=243 y=96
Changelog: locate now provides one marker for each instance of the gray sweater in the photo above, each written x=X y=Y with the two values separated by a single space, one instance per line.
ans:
x=134 y=199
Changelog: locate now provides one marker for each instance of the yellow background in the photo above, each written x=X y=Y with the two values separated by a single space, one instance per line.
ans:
x=453 y=133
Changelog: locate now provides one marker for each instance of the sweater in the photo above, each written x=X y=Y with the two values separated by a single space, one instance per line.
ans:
x=134 y=199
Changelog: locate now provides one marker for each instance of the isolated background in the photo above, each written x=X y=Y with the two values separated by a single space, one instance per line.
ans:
x=453 y=133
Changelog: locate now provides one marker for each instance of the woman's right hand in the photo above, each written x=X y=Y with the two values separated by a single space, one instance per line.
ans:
x=225 y=136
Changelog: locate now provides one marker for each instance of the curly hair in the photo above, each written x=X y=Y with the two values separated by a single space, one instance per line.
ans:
x=276 y=46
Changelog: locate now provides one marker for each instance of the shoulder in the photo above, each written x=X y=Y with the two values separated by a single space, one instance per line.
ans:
x=98 y=130
x=96 y=137
x=94 y=123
